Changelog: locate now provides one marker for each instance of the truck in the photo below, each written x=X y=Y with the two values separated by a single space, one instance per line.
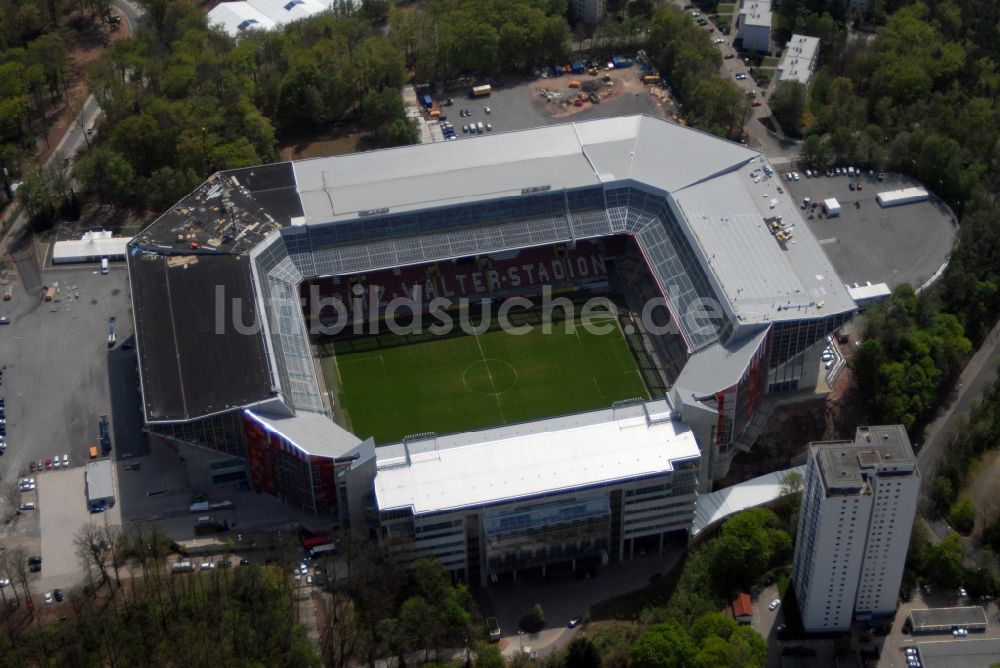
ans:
x=93 y=452
x=427 y=101
x=651 y=79
x=482 y=91
x=104 y=432
x=112 y=337
x=182 y=567
x=50 y=293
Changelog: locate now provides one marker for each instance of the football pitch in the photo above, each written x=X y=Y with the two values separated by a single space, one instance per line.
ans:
x=447 y=385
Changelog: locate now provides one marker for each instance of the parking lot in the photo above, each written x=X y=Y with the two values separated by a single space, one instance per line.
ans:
x=62 y=511
x=891 y=646
x=56 y=383
x=518 y=106
x=55 y=353
x=903 y=244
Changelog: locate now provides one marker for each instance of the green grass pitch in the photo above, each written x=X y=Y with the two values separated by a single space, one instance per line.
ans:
x=448 y=385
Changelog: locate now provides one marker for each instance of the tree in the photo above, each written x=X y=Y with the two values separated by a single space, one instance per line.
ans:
x=744 y=550
x=943 y=562
x=963 y=515
x=582 y=653
x=93 y=551
x=43 y=190
x=788 y=104
x=107 y=175
x=790 y=496
x=663 y=646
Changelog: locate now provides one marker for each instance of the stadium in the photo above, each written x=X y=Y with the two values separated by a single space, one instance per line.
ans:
x=265 y=301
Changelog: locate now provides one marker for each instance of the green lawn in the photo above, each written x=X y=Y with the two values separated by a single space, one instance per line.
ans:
x=725 y=7
x=446 y=385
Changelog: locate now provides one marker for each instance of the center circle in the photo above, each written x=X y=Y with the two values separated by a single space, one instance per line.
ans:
x=490 y=376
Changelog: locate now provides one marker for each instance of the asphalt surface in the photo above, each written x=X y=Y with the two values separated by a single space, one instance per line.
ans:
x=56 y=380
x=518 y=106
x=903 y=244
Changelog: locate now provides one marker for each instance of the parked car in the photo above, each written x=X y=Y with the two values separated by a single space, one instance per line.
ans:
x=774 y=604
x=573 y=623
x=58 y=595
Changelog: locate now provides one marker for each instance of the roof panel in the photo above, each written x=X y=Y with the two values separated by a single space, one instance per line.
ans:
x=556 y=454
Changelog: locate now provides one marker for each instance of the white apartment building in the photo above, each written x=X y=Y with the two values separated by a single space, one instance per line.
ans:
x=753 y=25
x=858 y=504
x=798 y=62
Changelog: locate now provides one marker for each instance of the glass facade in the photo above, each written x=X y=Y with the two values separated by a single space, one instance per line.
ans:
x=278 y=467
x=789 y=340
x=536 y=534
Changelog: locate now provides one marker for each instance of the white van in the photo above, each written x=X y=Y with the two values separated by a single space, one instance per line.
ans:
x=104 y=265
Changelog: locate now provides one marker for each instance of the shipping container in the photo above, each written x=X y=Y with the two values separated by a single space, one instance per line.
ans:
x=481 y=91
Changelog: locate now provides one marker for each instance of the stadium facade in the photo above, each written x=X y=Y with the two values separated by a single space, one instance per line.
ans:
x=646 y=209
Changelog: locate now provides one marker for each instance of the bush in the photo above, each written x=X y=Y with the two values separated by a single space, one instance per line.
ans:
x=963 y=515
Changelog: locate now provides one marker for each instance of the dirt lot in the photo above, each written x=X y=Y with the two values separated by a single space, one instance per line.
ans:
x=984 y=488
x=87 y=39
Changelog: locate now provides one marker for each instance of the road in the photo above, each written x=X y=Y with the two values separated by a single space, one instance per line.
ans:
x=978 y=375
x=75 y=138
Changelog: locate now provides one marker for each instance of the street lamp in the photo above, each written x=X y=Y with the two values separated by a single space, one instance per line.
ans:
x=520 y=638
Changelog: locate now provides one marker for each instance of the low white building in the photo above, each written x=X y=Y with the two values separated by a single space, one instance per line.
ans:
x=91 y=247
x=100 y=484
x=902 y=196
x=863 y=295
x=236 y=18
x=571 y=492
x=753 y=25
x=798 y=62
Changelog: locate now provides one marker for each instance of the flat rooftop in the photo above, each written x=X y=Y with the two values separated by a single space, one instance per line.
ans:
x=312 y=433
x=965 y=653
x=192 y=359
x=99 y=481
x=443 y=473
x=883 y=450
x=757 y=12
x=231 y=212
x=799 y=59
x=936 y=619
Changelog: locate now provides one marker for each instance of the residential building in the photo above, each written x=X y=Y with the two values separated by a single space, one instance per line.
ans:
x=753 y=25
x=858 y=504
x=798 y=62
x=588 y=11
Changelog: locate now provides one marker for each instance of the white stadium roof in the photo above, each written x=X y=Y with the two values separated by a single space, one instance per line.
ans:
x=710 y=217
x=718 y=185
x=445 y=473
x=312 y=433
